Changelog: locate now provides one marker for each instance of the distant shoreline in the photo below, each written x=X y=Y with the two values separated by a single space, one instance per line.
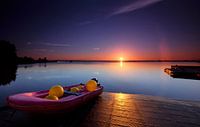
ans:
x=130 y=60
x=72 y=61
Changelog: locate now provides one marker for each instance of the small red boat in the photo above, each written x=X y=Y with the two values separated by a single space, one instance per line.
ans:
x=35 y=101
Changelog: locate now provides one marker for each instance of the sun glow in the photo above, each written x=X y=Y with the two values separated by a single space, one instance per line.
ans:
x=121 y=58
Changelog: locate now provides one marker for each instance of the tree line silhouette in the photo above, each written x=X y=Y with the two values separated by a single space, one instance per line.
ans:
x=29 y=60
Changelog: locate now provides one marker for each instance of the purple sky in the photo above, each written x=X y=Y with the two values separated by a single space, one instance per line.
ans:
x=103 y=29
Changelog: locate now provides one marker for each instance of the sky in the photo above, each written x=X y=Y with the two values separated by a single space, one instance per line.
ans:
x=102 y=29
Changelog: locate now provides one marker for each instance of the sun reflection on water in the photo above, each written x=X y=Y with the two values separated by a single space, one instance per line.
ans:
x=121 y=63
x=120 y=96
x=121 y=59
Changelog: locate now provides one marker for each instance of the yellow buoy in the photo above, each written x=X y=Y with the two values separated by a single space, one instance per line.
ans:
x=91 y=85
x=74 y=89
x=57 y=91
x=51 y=97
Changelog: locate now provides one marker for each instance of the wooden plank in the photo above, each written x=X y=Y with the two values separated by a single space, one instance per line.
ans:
x=115 y=110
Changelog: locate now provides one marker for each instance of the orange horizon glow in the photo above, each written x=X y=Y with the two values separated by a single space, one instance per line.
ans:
x=125 y=55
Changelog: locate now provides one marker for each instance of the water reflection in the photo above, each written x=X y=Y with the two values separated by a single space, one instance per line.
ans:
x=26 y=66
x=8 y=74
x=121 y=96
x=126 y=77
x=121 y=63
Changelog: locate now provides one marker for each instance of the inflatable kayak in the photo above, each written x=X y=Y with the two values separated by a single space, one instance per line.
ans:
x=36 y=102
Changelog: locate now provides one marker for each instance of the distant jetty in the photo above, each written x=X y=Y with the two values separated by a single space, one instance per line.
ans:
x=187 y=72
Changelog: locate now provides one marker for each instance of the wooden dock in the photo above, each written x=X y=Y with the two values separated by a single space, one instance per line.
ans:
x=186 y=72
x=114 y=110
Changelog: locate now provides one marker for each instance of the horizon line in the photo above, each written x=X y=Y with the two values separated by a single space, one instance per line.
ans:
x=183 y=60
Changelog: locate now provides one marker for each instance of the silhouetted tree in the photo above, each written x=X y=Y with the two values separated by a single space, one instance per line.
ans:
x=8 y=65
x=45 y=59
x=40 y=60
x=7 y=52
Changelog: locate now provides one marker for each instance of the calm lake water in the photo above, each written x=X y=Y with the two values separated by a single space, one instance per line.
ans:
x=127 y=77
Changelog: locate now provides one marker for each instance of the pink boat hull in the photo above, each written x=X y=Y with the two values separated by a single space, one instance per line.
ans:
x=35 y=102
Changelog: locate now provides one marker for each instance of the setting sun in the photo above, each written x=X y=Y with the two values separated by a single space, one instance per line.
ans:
x=121 y=58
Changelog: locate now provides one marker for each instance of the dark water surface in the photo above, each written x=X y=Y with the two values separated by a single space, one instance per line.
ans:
x=128 y=77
